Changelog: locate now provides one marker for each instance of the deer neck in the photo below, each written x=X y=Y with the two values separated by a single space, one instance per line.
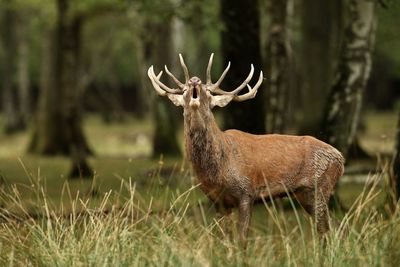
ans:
x=205 y=145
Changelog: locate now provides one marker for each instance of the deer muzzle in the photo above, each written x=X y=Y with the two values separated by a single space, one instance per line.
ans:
x=195 y=98
x=195 y=84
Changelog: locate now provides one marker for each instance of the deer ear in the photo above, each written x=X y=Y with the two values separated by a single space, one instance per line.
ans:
x=221 y=100
x=176 y=99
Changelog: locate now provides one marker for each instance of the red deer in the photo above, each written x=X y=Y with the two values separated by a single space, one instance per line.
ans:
x=235 y=168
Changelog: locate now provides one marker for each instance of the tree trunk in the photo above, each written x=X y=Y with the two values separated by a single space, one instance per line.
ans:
x=165 y=137
x=59 y=128
x=279 y=62
x=12 y=118
x=155 y=46
x=80 y=168
x=396 y=162
x=195 y=29
x=48 y=114
x=144 y=93
x=321 y=34
x=140 y=26
x=112 y=108
x=23 y=68
x=241 y=46
x=71 y=93
x=342 y=113
x=165 y=114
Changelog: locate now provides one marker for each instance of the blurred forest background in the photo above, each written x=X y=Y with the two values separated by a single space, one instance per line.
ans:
x=76 y=100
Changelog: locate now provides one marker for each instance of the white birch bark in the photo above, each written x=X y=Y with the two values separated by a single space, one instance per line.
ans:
x=342 y=114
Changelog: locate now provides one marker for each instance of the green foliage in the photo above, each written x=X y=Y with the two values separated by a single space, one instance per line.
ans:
x=108 y=50
x=201 y=14
x=388 y=36
x=113 y=25
x=157 y=11
x=43 y=10
x=397 y=105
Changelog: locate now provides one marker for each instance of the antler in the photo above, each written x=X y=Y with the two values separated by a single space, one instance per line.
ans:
x=181 y=85
x=252 y=91
x=161 y=88
x=185 y=69
x=157 y=84
x=214 y=87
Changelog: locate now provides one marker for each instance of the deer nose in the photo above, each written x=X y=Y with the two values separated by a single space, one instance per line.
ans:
x=195 y=81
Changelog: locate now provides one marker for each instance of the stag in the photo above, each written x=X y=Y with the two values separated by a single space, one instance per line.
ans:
x=235 y=168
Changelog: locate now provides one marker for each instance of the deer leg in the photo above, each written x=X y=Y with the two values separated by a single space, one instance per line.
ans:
x=224 y=217
x=321 y=213
x=315 y=202
x=305 y=197
x=245 y=205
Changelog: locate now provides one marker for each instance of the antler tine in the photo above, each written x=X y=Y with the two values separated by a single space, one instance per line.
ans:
x=156 y=80
x=238 y=89
x=209 y=82
x=163 y=86
x=185 y=69
x=150 y=73
x=181 y=85
x=215 y=87
x=252 y=91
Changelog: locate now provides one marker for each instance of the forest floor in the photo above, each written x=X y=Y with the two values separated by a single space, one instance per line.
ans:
x=41 y=209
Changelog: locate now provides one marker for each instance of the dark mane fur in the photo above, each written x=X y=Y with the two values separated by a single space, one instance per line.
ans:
x=205 y=151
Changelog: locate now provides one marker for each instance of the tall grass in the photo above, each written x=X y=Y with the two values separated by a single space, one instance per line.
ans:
x=126 y=229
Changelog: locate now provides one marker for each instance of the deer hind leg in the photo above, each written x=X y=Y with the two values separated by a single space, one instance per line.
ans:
x=321 y=212
x=315 y=202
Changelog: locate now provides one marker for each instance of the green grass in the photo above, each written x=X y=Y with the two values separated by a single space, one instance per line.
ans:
x=122 y=228
x=379 y=135
x=121 y=151
x=138 y=211
x=128 y=139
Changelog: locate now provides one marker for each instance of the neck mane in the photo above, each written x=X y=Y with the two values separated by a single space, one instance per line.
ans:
x=204 y=144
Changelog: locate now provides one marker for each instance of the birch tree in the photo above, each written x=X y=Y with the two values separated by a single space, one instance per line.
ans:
x=342 y=113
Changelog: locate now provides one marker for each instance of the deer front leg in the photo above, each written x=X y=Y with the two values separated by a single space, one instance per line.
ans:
x=245 y=205
x=224 y=219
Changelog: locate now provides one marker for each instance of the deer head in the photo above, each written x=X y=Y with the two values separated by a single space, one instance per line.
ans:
x=194 y=95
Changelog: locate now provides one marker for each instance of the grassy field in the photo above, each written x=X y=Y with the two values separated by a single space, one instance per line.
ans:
x=174 y=228
x=138 y=211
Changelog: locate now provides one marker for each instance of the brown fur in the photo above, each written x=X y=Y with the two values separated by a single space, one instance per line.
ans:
x=235 y=165
x=236 y=168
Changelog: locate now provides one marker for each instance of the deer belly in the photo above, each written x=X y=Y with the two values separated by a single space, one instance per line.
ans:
x=279 y=185
x=270 y=190
x=219 y=194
